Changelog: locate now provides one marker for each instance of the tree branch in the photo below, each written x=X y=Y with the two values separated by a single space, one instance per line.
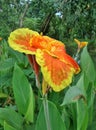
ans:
x=23 y=14
x=46 y=23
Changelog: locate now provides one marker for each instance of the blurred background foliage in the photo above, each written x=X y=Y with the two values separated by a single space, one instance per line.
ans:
x=60 y=19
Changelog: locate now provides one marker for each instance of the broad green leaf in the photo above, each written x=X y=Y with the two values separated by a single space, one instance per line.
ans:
x=90 y=102
x=92 y=126
x=11 y=117
x=86 y=81
x=29 y=127
x=80 y=84
x=66 y=117
x=95 y=83
x=23 y=94
x=29 y=115
x=8 y=127
x=73 y=112
x=72 y=95
x=75 y=92
x=90 y=95
x=87 y=65
x=56 y=122
x=82 y=115
x=85 y=121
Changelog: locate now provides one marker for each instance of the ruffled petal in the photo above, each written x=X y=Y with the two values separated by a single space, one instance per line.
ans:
x=21 y=40
x=69 y=60
x=28 y=41
x=57 y=74
x=47 y=43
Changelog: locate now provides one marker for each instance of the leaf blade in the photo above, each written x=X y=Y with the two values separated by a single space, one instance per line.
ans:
x=23 y=94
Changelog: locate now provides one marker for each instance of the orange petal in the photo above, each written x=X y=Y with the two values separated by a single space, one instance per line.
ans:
x=57 y=74
x=69 y=60
x=45 y=42
x=54 y=47
x=28 y=41
x=21 y=40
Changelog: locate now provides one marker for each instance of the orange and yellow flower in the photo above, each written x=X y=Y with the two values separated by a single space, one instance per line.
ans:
x=56 y=65
x=80 y=44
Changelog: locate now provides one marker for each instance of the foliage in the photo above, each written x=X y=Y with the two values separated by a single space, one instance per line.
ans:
x=21 y=105
x=69 y=18
x=63 y=20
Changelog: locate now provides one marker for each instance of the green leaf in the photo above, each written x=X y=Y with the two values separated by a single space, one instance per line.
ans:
x=75 y=92
x=23 y=94
x=86 y=81
x=90 y=102
x=85 y=121
x=72 y=95
x=82 y=115
x=92 y=126
x=11 y=117
x=29 y=115
x=8 y=127
x=87 y=65
x=6 y=64
x=65 y=117
x=5 y=78
x=81 y=84
x=3 y=95
x=18 y=57
x=55 y=119
x=95 y=83
x=29 y=127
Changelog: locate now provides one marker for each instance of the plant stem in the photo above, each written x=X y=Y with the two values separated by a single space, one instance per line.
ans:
x=46 y=112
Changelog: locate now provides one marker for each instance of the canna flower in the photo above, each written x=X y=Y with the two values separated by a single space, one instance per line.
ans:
x=80 y=44
x=56 y=65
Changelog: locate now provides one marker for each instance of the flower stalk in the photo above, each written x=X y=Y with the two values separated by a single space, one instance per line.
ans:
x=46 y=112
